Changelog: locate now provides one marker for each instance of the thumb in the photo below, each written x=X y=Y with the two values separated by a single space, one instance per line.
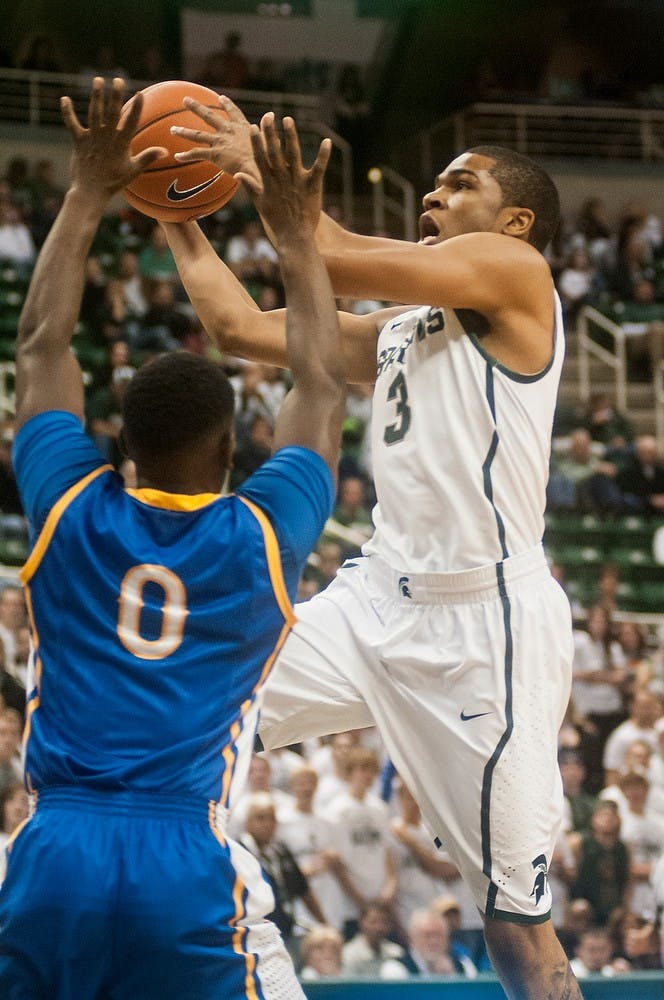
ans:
x=148 y=156
x=252 y=184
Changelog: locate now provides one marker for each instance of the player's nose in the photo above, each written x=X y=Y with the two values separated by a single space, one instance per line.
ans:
x=433 y=199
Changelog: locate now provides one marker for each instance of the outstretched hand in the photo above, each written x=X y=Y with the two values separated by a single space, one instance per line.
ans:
x=101 y=162
x=288 y=195
x=229 y=145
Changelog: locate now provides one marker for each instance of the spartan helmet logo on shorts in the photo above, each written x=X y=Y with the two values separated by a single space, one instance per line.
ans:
x=541 y=878
x=403 y=586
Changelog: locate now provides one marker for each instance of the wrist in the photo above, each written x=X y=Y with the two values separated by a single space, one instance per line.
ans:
x=90 y=204
x=294 y=243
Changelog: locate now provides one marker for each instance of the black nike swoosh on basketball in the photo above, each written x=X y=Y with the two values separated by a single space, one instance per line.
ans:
x=477 y=715
x=174 y=195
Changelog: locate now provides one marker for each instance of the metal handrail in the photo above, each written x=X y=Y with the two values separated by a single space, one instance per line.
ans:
x=550 y=130
x=615 y=360
x=403 y=206
x=33 y=102
x=30 y=97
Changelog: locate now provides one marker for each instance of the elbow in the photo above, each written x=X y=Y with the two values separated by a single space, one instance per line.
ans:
x=27 y=335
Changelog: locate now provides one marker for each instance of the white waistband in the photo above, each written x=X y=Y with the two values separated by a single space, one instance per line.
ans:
x=481 y=584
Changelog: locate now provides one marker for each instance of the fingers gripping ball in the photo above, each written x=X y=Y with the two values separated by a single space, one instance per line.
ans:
x=167 y=190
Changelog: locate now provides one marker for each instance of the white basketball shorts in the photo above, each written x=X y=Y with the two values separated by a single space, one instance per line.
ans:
x=467 y=676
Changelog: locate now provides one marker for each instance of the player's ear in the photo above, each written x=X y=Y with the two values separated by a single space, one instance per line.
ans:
x=227 y=448
x=517 y=222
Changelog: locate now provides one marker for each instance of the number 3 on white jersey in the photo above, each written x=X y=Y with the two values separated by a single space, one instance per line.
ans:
x=174 y=611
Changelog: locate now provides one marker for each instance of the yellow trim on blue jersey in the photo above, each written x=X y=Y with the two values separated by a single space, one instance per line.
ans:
x=238 y=936
x=51 y=523
x=286 y=608
x=212 y=820
x=173 y=501
x=273 y=561
x=227 y=753
x=34 y=702
x=229 y=758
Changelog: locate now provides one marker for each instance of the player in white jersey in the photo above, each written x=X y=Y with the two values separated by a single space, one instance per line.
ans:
x=449 y=632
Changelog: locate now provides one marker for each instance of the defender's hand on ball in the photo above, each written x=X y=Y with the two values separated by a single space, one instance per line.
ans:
x=288 y=195
x=229 y=146
x=101 y=161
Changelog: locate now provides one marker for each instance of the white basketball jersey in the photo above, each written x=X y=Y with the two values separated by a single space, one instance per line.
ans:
x=460 y=446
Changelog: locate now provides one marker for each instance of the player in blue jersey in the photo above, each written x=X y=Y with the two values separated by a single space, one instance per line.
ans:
x=156 y=614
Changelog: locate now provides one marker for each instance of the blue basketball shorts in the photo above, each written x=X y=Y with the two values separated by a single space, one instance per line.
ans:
x=130 y=897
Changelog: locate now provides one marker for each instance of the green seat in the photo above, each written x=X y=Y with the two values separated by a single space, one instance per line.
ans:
x=581 y=555
x=89 y=356
x=14 y=542
x=582 y=531
x=9 y=322
x=651 y=597
x=7 y=348
x=632 y=532
x=637 y=566
x=582 y=564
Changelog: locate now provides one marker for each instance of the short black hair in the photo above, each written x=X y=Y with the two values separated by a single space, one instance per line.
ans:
x=175 y=401
x=524 y=184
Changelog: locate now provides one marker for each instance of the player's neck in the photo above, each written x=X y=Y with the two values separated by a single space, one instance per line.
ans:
x=179 y=485
x=190 y=476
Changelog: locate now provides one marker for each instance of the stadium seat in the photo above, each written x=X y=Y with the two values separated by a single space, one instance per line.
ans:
x=650 y=597
x=11 y=303
x=14 y=541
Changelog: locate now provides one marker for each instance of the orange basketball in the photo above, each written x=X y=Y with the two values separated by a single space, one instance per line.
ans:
x=168 y=190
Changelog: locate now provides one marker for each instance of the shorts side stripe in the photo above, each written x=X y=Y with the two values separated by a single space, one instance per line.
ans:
x=250 y=981
x=491 y=765
x=491 y=454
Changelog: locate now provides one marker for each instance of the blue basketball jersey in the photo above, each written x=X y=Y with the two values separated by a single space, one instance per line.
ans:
x=155 y=617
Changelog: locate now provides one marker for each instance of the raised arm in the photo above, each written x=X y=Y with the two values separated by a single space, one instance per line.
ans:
x=236 y=324
x=499 y=276
x=48 y=376
x=290 y=196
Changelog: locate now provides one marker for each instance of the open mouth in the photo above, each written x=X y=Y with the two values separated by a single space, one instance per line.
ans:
x=429 y=230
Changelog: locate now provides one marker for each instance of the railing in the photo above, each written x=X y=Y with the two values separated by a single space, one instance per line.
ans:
x=393 y=194
x=614 y=359
x=632 y=134
x=33 y=98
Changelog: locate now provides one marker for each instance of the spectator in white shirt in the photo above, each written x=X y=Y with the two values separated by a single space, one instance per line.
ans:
x=259 y=779
x=645 y=711
x=364 y=821
x=315 y=843
x=643 y=832
x=16 y=243
x=365 y=955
